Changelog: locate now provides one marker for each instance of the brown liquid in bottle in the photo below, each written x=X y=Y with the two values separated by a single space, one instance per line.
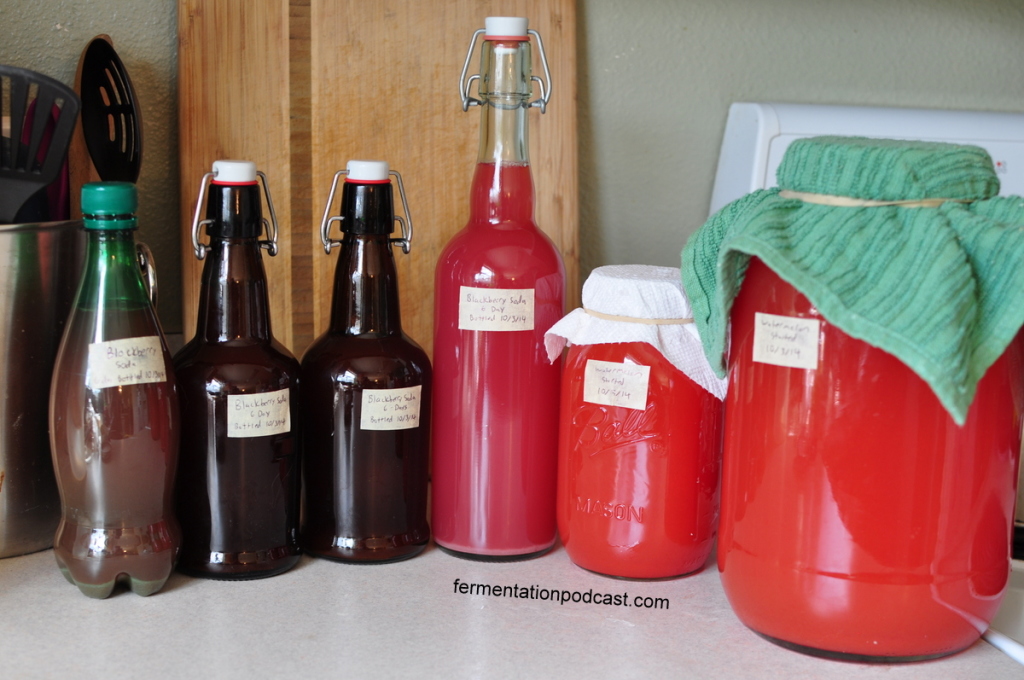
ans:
x=237 y=496
x=116 y=485
x=365 y=490
x=114 y=418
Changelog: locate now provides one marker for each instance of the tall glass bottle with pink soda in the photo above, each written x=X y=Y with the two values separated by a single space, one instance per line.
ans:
x=499 y=285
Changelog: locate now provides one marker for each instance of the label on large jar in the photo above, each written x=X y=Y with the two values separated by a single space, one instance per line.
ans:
x=128 y=361
x=613 y=384
x=786 y=340
x=394 y=409
x=259 y=415
x=495 y=309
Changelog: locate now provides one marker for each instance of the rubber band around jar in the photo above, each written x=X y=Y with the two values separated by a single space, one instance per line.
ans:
x=851 y=202
x=633 y=319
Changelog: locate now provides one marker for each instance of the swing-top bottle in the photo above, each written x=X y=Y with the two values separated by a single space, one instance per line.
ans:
x=366 y=384
x=238 y=477
x=499 y=285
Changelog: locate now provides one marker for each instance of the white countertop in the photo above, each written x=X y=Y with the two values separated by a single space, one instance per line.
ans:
x=329 y=620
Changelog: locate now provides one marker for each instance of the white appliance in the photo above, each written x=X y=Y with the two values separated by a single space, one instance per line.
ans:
x=757 y=135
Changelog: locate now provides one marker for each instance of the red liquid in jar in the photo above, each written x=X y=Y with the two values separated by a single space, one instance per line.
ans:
x=858 y=520
x=638 y=489
x=495 y=427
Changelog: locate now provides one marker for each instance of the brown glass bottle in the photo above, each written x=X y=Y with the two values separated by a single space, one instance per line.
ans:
x=238 y=475
x=365 y=463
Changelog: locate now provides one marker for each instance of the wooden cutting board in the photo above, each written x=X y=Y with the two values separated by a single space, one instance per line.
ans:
x=302 y=87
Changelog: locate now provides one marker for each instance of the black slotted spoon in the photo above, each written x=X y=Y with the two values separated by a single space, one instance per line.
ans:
x=110 y=114
x=38 y=116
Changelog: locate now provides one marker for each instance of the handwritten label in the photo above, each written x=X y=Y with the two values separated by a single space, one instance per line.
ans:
x=259 y=415
x=495 y=309
x=129 y=361
x=614 y=384
x=786 y=340
x=395 y=409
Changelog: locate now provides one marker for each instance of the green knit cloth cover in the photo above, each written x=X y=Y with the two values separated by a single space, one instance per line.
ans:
x=942 y=289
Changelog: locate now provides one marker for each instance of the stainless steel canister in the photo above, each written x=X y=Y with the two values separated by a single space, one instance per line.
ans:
x=40 y=265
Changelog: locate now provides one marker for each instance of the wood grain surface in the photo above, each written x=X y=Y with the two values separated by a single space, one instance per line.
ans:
x=302 y=87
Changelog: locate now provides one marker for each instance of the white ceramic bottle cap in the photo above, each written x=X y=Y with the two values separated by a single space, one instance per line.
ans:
x=368 y=171
x=234 y=172
x=505 y=27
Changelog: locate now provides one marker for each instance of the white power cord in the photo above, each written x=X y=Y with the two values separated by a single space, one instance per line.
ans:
x=1005 y=644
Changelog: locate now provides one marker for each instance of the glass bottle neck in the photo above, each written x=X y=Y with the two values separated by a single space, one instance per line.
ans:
x=366 y=281
x=505 y=90
x=366 y=287
x=112 y=275
x=233 y=301
x=502 y=190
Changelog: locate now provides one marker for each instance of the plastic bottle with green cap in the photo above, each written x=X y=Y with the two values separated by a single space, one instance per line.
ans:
x=114 y=413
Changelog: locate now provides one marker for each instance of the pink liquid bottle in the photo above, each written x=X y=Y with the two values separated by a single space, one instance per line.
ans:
x=499 y=285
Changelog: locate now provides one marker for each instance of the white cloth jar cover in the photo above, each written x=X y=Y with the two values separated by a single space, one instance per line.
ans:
x=651 y=307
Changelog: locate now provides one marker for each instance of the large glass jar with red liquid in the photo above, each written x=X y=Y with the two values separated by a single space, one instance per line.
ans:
x=114 y=414
x=868 y=312
x=858 y=519
x=367 y=391
x=499 y=285
x=639 y=443
x=238 y=472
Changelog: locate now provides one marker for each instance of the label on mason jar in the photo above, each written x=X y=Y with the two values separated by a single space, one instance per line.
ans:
x=495 y=309
x=259 y=415
x=613 y=384
x=786 y=340
x=128 y=361
x=394 y=409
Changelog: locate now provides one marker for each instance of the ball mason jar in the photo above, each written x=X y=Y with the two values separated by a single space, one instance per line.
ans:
x=640 y=431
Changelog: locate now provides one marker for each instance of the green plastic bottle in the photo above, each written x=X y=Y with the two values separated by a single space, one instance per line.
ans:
x=114 y=414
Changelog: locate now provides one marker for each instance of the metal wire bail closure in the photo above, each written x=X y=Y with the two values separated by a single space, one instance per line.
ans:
x=544 y=85
x=200 y=249
x=147 y=266
x=404 y=224
x=271 y=228
x=325 y=223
